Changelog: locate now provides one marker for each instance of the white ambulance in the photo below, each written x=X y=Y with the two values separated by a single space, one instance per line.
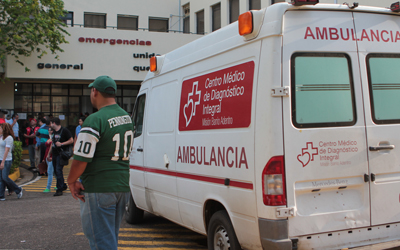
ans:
x=279 y=131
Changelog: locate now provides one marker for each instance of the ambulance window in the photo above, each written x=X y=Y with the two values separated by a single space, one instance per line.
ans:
x=322 y=90
x=139 y=114
x=384 y=87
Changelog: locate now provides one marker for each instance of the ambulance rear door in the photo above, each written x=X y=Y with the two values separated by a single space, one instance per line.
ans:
x=378 y=42
x=324 y=129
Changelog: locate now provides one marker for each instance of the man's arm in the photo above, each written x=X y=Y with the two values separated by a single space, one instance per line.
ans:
x=77 y=169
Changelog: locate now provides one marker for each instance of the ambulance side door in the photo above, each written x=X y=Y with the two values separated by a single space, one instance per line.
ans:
x=136 y=161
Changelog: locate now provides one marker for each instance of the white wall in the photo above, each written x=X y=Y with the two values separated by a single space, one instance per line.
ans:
x=100 y=58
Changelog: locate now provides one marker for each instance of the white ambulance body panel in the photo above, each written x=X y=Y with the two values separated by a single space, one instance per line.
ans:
x=315 y=95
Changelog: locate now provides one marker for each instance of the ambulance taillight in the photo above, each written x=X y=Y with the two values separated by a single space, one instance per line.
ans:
x=304 y=2
x=274 y=191
x=395 y=7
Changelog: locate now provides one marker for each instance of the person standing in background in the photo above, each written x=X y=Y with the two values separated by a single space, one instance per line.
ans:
x=30 y=135
x=62 y=139
x=15 y=126
x=79 y=127
x=6 y=144
x=43 y=134
x=49 y=160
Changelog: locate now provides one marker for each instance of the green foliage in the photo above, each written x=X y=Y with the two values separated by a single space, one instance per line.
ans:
x=17 y=155
x=31 y=26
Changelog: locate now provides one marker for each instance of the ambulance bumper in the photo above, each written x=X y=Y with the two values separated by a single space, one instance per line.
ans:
x=274 y=235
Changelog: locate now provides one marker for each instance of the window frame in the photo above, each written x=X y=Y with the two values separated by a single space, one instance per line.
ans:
x=231 y=11
x=128 y=16
x=371 y=96
x=197 y=22
x=95 y=14
x=293 y=91
x=252 y=7
x=65 y=18
x=160 y=19
x=213 y=18
x=134 y=115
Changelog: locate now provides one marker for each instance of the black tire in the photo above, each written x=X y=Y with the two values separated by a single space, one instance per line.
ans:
x=133 y=214
x=220 y=234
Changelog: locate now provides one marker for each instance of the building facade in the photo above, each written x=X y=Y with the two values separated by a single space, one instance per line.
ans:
x=117 y=39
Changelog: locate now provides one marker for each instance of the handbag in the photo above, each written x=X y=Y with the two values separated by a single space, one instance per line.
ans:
x=42 y=167
x=66 y=153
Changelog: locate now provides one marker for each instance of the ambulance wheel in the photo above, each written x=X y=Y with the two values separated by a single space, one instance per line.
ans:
x=221 y=235
x=133 y=214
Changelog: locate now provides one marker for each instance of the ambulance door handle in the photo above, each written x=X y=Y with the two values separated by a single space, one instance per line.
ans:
x=366 y=178
x=140 y=149
x=372 y=177
x=386 y=147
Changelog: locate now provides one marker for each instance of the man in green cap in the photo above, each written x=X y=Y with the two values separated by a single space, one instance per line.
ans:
x=101 y=160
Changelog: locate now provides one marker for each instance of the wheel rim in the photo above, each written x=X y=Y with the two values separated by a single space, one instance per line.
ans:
x=221 y=239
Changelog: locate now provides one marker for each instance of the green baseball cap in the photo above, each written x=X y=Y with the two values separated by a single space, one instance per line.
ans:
x=101 y=83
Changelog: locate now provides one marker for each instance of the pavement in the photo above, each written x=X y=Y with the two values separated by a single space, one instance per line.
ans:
x=25 y=175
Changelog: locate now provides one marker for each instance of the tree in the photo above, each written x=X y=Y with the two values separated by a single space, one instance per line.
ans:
x=28 y=26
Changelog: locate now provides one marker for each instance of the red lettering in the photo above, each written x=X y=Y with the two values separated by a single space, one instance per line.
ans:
x=132 y=42
x=236 y=157
x=192 y=156
x=212 y=157
x=148 y=43
x=179 y=155
x=333 y=33
x=112 y=41
x=375 y=35
x=90 y=40
x=348 y=34
x=221 y=156
x=323 y=34
x=99 y=40
x=230 y=164
x=364 y=35
x=201 y=155
x=142 y=43
x=119 y=41
x=383 y=39
x=397 y=36
x=391 y=35
x=81 y=39
x=309 y=33
x=205 y=162
x=243 y=159
x=186 y=155
x=126 y=41
x=105 y=40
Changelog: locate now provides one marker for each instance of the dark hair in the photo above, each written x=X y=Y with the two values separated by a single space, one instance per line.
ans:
x=43 y=120
x=82 y=118
x=13 y=116
x=7 y=130
x=56 y=120
x=47 y=122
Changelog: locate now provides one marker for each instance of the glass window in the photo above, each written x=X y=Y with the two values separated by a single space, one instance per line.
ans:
x=322 y=90
x=158 y=24
x=23 y=88
x=384 y=86
x=233 y=10
x=255 y=4
x=200 y=22
x=59 y=89
x=131 y=90
x=22 y=104
x=68 y=19
x=139 y=115
x=93 y=20
x=127 y=22
x=59 y=104
x=41 y=89
x=216 y=17
x=75 y=89
x=186 y=24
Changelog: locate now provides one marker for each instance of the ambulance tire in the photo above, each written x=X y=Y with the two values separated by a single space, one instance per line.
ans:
x=220 y=234
x=133 y=214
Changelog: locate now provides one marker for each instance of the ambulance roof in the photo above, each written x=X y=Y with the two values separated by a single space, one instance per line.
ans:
x=228 y=37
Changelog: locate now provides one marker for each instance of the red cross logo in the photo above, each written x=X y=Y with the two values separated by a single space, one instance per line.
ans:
x=307 y=154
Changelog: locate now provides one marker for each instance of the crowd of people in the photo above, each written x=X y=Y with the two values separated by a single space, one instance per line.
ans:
x=45 y=139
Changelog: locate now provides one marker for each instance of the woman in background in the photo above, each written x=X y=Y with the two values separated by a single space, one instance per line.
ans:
x=6 y=145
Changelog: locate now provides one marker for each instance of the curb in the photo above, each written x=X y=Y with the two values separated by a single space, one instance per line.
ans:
x=14 y=176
